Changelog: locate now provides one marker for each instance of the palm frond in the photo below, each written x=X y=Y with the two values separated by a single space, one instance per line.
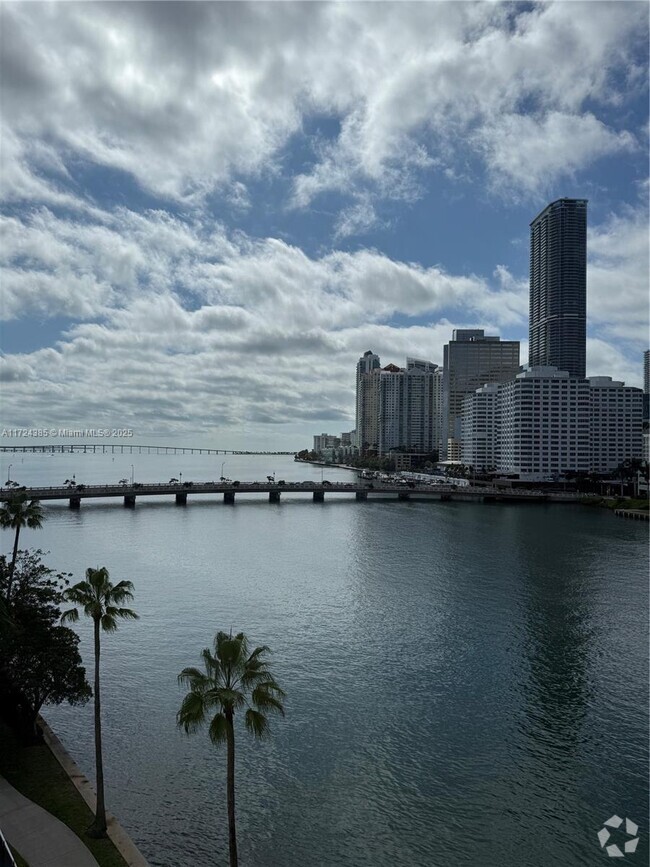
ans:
x=19 y=513
x=256 y=723
x=194 y=678
x=108 y=623
x=218 y=730
x=232 y=676
x=230 y=699
x=70 y=616
x=79 y=593
x=93 y=609
x=255 y=671
x=122 y=592
x=265 y=698
x=212 y=664
x=258 y=652
x=229 y=653
x=96 y=596
x=191 y=715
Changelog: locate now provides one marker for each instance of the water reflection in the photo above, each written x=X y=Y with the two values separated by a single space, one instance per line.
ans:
x=559 y=644
x=460 y=690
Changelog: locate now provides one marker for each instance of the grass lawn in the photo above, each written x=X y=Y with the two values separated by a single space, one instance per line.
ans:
x=38 y=776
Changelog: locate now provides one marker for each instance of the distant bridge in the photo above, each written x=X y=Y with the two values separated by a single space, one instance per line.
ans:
x=228 y=490
x=123 y=448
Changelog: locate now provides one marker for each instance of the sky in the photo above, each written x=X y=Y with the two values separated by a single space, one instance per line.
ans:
x=210 y=211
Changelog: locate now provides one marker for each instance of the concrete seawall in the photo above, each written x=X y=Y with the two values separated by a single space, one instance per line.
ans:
x=121 y=840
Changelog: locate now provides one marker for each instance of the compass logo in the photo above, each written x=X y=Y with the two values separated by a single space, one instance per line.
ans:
x=613 y=850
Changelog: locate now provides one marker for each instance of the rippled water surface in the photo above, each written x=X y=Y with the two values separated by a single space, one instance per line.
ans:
x=466 y=684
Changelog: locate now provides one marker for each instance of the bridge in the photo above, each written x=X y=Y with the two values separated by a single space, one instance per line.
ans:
x=123 y=448
x=274 y=490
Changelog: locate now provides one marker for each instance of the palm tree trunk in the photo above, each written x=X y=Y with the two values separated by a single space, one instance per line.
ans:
x=13 y=565
x=98 y=828
x=230 y=789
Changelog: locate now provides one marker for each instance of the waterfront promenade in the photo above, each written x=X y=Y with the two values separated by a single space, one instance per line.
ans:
x=273 y=490
x=41 y=838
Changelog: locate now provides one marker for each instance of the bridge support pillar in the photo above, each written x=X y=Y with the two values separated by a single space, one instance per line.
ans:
x=181 y=499
x=403 y=495
x=274 y=496
x=361 y=495
x=75 y=502
x=319 y=496
x=129 y=500
x=229 y=498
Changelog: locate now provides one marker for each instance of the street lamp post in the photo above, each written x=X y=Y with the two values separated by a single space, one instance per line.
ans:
x=223 y=464
x=180 y=477
x=132 y=473
x=9 y=473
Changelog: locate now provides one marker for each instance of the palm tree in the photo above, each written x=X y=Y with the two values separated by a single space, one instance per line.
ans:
x=232 y=679
x=14 y=515
x=100 y=600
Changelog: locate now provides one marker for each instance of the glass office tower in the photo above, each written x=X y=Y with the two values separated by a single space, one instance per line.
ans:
x=558 y=287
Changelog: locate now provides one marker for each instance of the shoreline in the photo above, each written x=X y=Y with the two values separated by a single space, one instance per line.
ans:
x=118 y=836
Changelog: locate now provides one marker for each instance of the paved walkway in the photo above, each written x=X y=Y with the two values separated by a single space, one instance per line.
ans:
x=41 y=839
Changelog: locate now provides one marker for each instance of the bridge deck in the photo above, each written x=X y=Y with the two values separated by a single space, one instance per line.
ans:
x=131 y=491
x=123 y=447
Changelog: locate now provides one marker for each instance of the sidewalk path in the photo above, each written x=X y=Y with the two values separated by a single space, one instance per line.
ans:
x=41 y=839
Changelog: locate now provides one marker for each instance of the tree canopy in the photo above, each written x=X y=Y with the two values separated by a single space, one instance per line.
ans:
x=39 y=658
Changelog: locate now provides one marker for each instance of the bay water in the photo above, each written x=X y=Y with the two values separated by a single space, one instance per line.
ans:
x=466 y=684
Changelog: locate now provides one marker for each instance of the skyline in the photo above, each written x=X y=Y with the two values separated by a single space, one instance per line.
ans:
x=202 y=236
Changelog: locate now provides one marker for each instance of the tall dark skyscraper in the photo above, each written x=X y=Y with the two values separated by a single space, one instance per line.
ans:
x=558 y=287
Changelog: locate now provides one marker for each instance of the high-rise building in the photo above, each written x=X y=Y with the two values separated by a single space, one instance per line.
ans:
x=391 y=408
x=398 y=407
x=421 y=410
x=471 y=360
x=480 y=428
x=544 y=424
x=438 y=375
x=616 y=423
x=324 y=442
x=558 y=287
x=367 y=402
x=646 y=386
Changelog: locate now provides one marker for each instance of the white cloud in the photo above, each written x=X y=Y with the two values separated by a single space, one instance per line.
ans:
x=182 y=324
x=528 y=154
x=189 y=98
x=606 y=359
x=213 y=320
x=619 y=279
